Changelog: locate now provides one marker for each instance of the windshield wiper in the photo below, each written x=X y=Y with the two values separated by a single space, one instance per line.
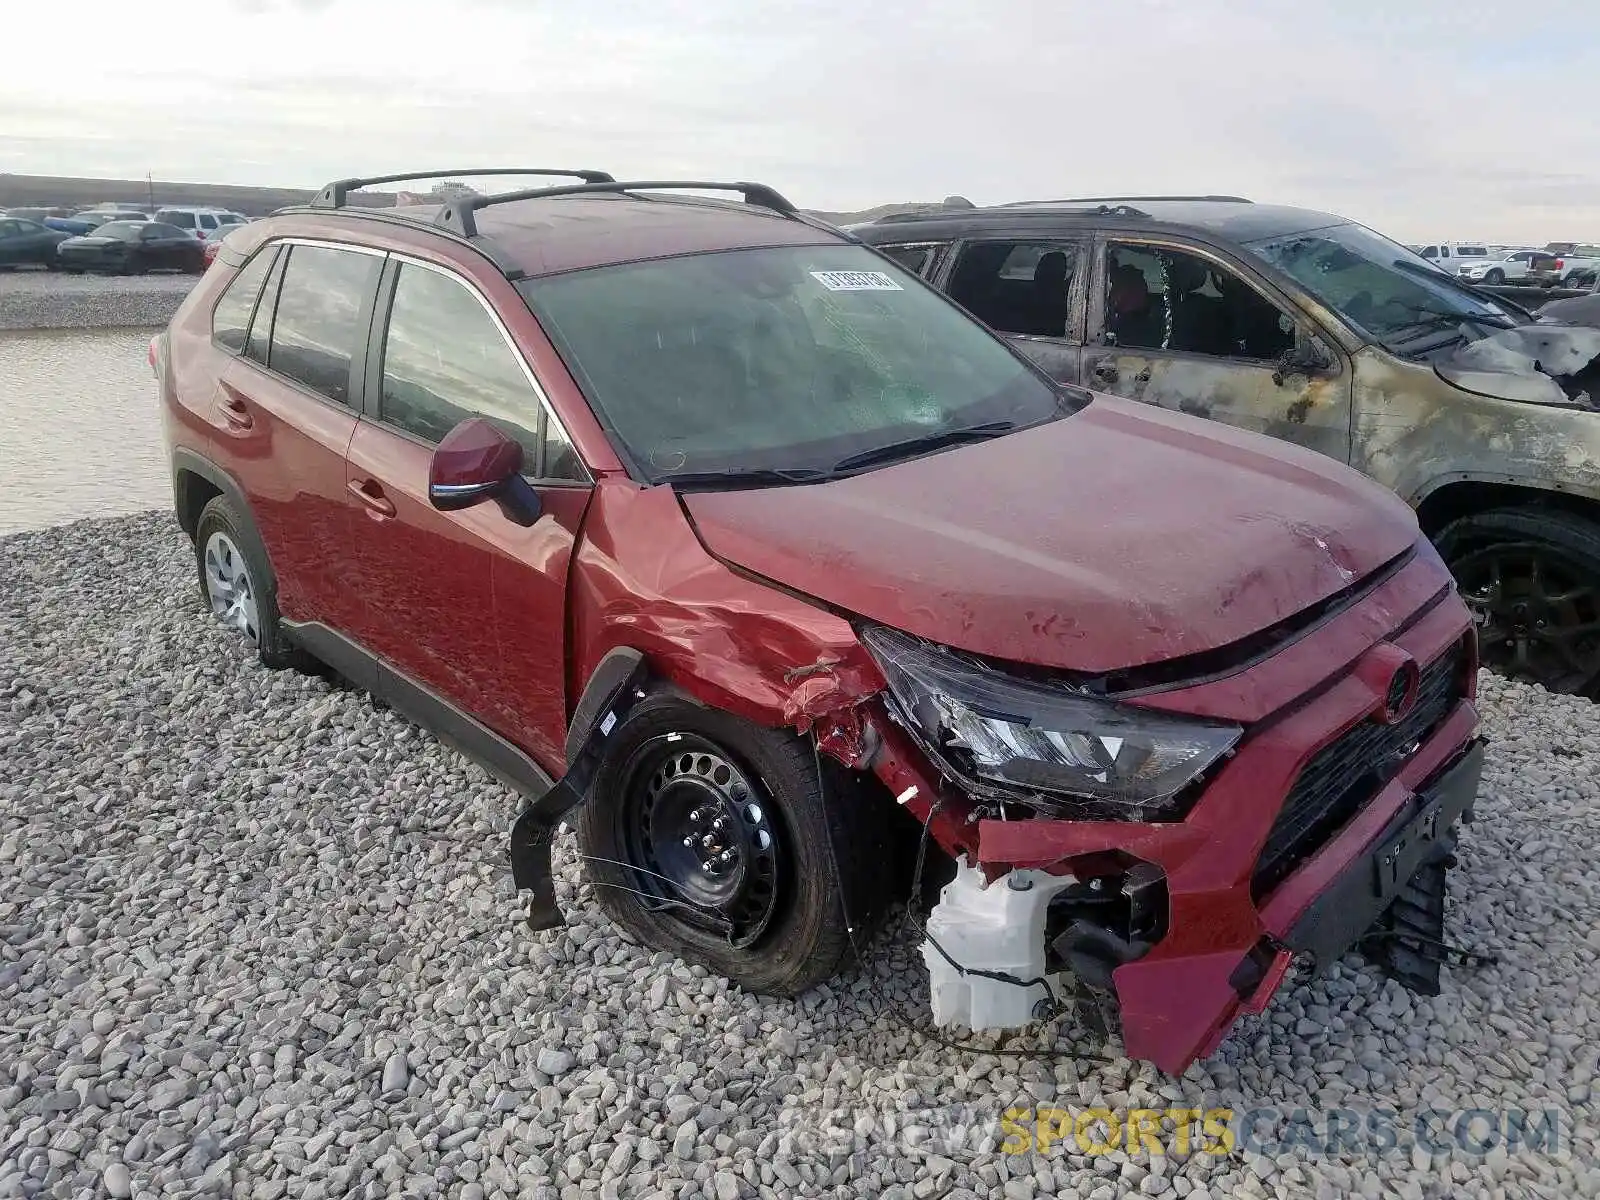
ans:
x=747 y=477
x=1496 y=322
x=917 y=445
x=1434 y=275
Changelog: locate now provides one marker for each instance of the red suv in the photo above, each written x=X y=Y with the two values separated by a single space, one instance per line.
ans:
x=701 y=519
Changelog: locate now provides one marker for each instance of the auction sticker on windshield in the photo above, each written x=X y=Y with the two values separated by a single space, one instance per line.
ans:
x=856 y=281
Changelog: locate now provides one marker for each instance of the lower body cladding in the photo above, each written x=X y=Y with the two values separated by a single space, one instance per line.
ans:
x=1332 y=826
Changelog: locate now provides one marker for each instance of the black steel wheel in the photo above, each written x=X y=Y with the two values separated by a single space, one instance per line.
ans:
x=718 y=839
x=1532 y=580
x=701 y=836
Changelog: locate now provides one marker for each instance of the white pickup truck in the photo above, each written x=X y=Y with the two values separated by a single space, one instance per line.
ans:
x=1574 y=261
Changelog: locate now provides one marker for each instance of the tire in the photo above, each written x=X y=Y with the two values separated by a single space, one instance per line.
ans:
x=1495 y=276
x=226 y=537
x=1532 y=579
x=803 y=941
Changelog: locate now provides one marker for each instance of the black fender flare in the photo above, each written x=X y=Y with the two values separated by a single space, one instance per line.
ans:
x=618 y=683
x=188 y=461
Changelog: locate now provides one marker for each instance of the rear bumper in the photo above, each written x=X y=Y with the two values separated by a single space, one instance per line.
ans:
x=1227 y=945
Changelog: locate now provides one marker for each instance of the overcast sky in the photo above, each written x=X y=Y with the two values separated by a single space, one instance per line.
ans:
x=1425 y=118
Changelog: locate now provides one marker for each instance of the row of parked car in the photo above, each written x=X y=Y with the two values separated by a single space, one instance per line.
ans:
x=1558 y=264
x=113 y=238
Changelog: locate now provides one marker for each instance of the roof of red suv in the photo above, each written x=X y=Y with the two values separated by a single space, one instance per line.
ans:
x=546 y=236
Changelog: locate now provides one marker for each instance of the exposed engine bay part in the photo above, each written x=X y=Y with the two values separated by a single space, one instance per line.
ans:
x=1539 y=364
x=619 y=684
x=985 y=949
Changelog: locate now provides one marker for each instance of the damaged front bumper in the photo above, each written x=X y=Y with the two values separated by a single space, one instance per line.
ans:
x=1235 y=911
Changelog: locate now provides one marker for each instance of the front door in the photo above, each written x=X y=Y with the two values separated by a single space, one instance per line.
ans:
x=471 y=604
x=1029 y=289
x=1181 y=328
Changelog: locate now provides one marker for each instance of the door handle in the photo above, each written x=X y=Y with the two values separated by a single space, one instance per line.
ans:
x=370 y=494
x=235 y=412
x=1105 y=372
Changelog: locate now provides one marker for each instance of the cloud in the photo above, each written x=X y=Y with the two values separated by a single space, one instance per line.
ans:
x=1429 y=119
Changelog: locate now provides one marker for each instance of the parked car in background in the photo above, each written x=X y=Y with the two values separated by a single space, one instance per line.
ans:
x=1578 y=264
x=1316 y=330
x=132 y=248
x=31 y=213
x=1450 y=257
x=89 y=220
x=203 y=223
x=24 y=242
x=1515 y=266
x=757 y=543
x=1577 y=310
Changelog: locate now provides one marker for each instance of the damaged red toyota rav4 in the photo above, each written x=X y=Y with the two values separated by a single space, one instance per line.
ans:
x=698 y=522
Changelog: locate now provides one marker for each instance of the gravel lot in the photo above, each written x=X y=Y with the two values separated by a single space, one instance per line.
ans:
x=31 y=299
x=257 y=939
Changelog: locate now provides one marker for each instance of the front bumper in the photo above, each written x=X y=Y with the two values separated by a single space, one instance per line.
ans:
x=1227 y=946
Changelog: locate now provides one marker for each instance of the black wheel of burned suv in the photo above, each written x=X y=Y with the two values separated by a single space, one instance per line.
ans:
x=1532 y=580
x=236 y=583
x=709 y=836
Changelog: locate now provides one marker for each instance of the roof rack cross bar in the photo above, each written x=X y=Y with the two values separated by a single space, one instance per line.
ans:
x=459 y=216
x=334 y=195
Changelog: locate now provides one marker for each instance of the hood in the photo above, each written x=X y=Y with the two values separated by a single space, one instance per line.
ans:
x=1542 y=363
x=1119 y=536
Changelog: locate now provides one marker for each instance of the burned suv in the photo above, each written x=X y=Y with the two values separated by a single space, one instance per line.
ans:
x=750 y=551
x=1318 y=331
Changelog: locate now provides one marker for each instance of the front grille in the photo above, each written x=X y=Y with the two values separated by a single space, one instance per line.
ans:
x=1339 y=780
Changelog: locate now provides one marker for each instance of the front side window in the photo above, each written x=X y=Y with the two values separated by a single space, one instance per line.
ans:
x=782 y=358
x=1162 y=299
x=1430 y=252
x=230 y=320
x=317 y=333
x=1016 y=287
x=1377 y=285
x=445 y=359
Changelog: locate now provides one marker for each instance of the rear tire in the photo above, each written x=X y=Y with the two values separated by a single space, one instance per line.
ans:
x=672 y=771
x=1532 y=579
x=237 y=583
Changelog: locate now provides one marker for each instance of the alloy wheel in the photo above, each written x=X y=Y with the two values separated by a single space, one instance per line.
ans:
x=1538 y=615
x=229 y=587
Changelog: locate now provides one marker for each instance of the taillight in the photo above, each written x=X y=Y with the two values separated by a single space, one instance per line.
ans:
x=1560 y=262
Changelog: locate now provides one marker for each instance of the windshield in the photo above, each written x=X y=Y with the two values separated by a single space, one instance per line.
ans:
x=790 y=358
x=1379 y=286
x=123 y=230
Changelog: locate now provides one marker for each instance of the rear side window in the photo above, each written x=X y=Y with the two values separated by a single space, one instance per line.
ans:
x=182 y=220
x=445 y=360
x=261 y=326
x=1430 y=252
x=207 y=221
x=1016 y=287
x=1472 y=251
x=316 y=332
x=230 y=320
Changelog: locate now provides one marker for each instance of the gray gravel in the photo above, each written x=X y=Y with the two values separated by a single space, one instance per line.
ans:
x=34 y=299
x=256 y=939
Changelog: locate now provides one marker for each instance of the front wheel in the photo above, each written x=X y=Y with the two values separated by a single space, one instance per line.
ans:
x=709 y=836
x=1532 y=579
x=1495 y=276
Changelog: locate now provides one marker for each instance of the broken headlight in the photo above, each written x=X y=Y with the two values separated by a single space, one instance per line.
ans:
x=1038 y=741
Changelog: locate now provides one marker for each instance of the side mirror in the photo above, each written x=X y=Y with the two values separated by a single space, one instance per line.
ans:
x=472 y=463
x=1309 y=357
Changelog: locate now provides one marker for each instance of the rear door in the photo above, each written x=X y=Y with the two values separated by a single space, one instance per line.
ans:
x=1182 y=327
x=284 y=414
x=470 y=604
x=1031 y=290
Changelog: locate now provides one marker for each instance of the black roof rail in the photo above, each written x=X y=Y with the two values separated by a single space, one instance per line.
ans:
x=1102 y=210
x=1133 y=199
x=333 y=196
x=459 y=216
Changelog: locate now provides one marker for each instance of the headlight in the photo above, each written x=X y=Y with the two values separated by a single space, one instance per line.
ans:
x=1043 y=743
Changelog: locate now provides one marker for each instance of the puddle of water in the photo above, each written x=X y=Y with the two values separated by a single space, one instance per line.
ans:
x=80 y=427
